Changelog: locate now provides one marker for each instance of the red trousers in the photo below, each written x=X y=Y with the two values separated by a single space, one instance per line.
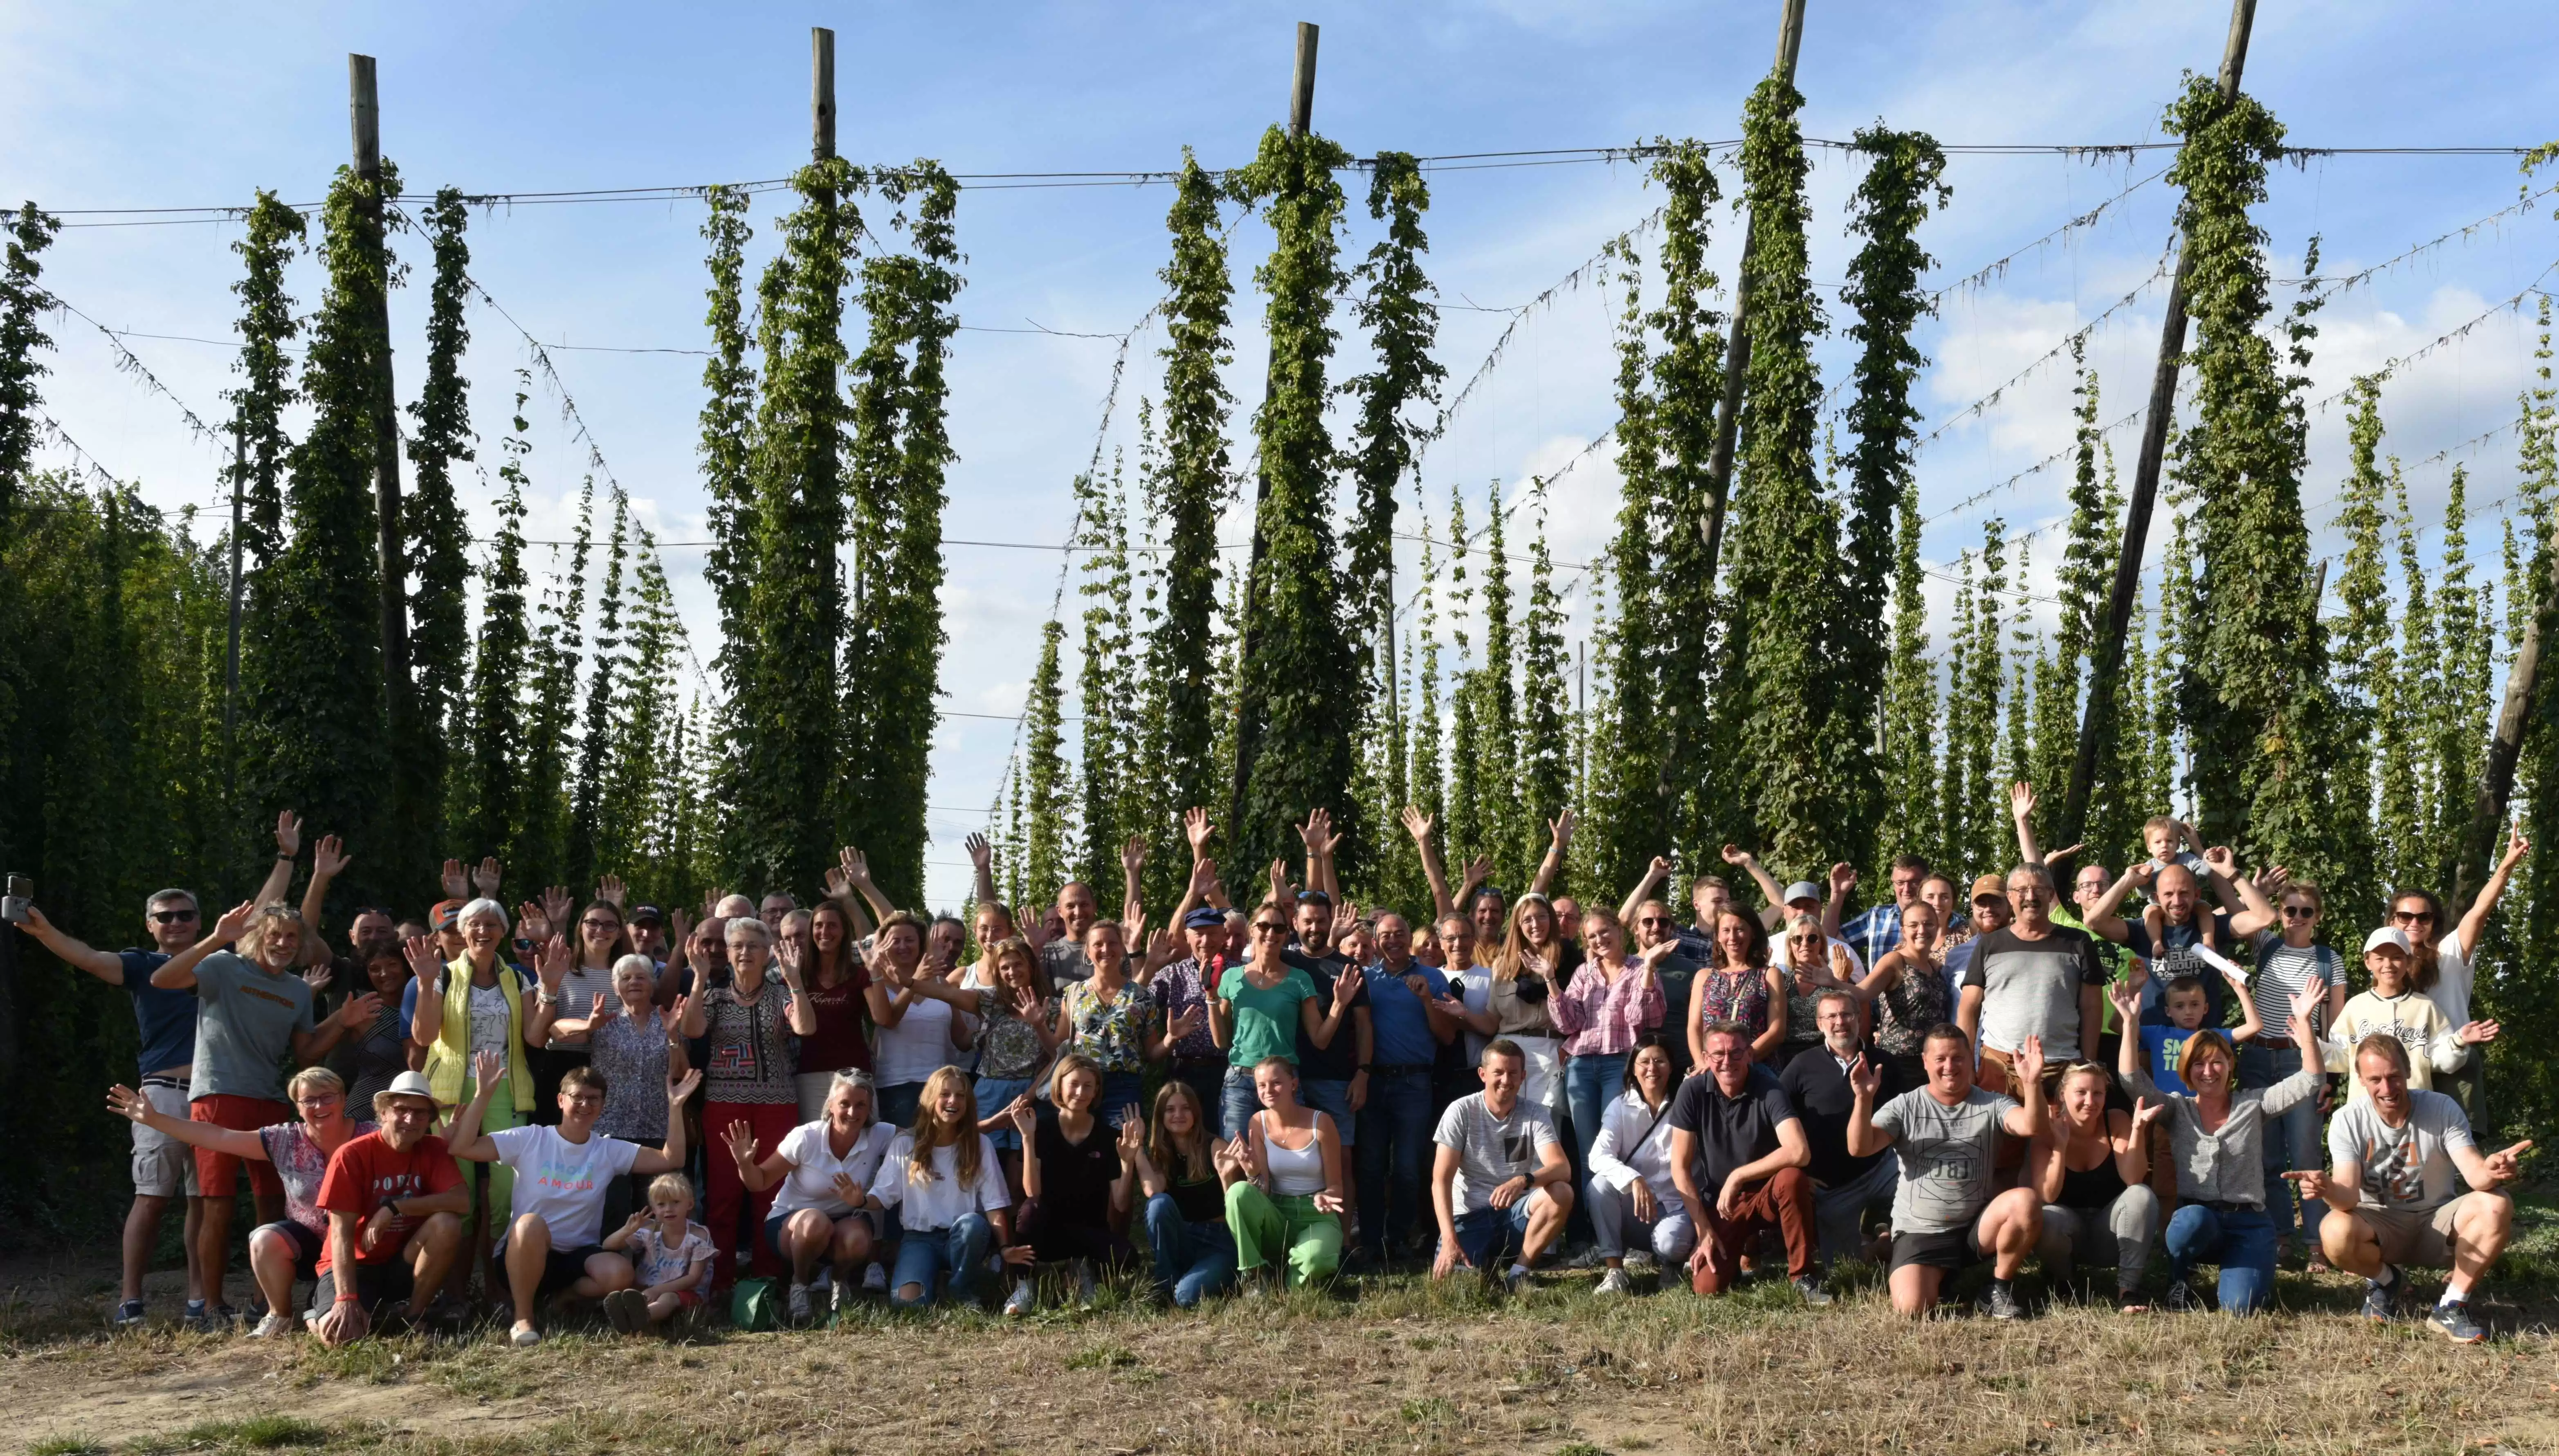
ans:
x=726 y=1195
x=1786 y=1200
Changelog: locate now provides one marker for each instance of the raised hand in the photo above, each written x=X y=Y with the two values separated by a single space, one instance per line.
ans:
x=1024 y=1116
x=2021 y=799
x=2516 y=847
x=678 y=1091
x=2141 y=875
x=2473 y=1033
x=485 y=878
x=1133 y=855
x=127 y=1103
x=1313 y=831
x=1279 y=882
x=1132 y=1134
x=235 y=921
x=848 y=1191
x=2146 y=1113
x=982 y=855
x=2126 y=996
x=740 y=1137
x=1658 y=871
x=1226 y=1155
x=1865 y=1079
x=2222 y=861
x=1843 y=879
x=679 y=926
x=677 y=1011
x=1417 y=824
x=1196 y=828
x=1560 y=829
x=553 y=964
x=2030 y=1062
x=1479 y=869
x=611 y=891
x=1203 y=881
x=838 y=887
x=529 y=924
x=1163 y=948
x=359 y=1012
x=288 y=833
x=607 y=1007
x=786 y=952
x=858 y=869
x=1027 y=1004
x=2306 y=1002
x=486 y=1070
x=1346 y=989
x=425 y=964
x=1736 y=855
x=558 y=902
x=456 y=883
x=329 y=859
x=318 y=977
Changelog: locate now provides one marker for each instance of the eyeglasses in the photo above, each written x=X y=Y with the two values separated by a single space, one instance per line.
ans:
x=2301 y=912
x=1265 y=927
x=172 y=917
x=2413 y=917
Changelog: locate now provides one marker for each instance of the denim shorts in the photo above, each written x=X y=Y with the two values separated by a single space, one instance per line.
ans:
x=1487 y=1234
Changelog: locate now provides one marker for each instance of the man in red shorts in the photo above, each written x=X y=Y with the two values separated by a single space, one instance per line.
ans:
x=253 y=1009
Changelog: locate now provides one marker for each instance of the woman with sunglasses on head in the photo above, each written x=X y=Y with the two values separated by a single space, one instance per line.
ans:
x=2441 y=956
x=2291 y=960
x=919 y=1033
x=1815 y=962
x=2090 y=1165
x=824 y=1209
x=1256 y=1014
x=1018 y=1032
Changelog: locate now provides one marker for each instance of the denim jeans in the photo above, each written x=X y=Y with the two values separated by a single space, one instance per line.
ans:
x=1669 y=1237
x=2242 y=1241
x=1394 y=1155
x=959 y=1251
x=1192 y=1260
x=1332 y=1098
x=896 y=1106
x=1236 y=1101
x=1590 y=1084
x=2292 y=1141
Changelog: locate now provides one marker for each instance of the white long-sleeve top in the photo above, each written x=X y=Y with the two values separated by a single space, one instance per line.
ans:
x=1635 y=1142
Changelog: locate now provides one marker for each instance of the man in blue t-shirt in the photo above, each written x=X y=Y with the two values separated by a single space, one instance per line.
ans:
x=1409 y=1027
x=163 y=1167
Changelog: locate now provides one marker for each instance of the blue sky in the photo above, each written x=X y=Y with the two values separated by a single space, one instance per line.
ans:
x=112 y=105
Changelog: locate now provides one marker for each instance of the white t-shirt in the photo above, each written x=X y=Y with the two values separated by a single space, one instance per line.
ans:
x=810 y=1183
x=1777 y=957
x=563 y=1181
x=939 y=1201
x=917 y=1047
x=1474 y=986
x=489 y=1020
x=2455 y=976
x=2409 y=1167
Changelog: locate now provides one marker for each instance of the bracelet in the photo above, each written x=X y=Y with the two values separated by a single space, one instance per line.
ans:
x=345 y=1299
x=284 y=858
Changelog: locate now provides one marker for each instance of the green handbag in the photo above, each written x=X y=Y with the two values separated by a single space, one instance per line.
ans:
x=755 y=1305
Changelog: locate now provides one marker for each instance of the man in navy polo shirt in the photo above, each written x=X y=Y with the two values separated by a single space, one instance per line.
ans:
x=1407 y=1029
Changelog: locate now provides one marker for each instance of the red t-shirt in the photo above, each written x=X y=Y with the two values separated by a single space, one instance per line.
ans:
x=844 y=1015
x=366 y=1172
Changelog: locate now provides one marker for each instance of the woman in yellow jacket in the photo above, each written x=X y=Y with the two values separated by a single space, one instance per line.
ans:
x=481 y=1002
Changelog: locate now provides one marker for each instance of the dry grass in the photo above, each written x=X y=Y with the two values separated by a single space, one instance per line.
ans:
x=1405 y=1367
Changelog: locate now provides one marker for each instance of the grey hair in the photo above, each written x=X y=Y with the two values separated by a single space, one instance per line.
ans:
x=482 y=907
x=165 y=896
x=855 y=1077
x=2041 y=874
x=749 y=926
x=645 y=965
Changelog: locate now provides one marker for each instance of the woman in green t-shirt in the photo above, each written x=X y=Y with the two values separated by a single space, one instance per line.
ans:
x=1258 y=1010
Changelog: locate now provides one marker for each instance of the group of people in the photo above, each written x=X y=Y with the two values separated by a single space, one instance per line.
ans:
x=639 y=1109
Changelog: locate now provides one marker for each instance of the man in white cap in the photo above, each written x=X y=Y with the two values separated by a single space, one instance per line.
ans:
x=395 y=1199
x=2391 y=1198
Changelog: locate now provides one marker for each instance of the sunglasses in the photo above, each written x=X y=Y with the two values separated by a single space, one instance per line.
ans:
x=2301 y=912
x=1265 y=927
x=172 y=917
x=2413 y=917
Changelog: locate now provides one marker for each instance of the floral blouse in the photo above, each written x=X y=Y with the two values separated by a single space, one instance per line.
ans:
x=1112 y=1033
x=1732 y=996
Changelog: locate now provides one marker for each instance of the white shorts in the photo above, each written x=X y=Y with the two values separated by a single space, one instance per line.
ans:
x=163 y=1167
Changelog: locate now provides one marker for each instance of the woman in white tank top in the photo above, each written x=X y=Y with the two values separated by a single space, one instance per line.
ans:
x=1286 y=1213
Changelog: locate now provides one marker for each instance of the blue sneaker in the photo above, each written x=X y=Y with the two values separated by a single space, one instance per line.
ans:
x=127 y=1316
x=2454 y=1318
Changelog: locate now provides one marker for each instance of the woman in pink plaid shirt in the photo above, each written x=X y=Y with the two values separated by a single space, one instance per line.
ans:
x=1612 y=1002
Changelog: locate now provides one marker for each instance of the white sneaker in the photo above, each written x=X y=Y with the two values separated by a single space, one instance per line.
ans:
x=1639 y=1263
x=875 y=1278
x=1022 y=1300
x=271 y=1326
x=1615 y=1282
x=525 y=1336
x=802 y=1304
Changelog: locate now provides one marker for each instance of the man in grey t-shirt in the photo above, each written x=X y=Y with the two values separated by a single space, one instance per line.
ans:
x=2031 y=979
x=1500 y=1181
x=2391 y=1197
x=1947 y=1212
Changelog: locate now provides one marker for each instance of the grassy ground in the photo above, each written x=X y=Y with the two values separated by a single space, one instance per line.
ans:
x=1401 y=1366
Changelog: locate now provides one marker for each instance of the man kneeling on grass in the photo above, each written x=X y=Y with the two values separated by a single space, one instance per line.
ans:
x=1738 y=1155
x=562 y=1175
x=394 y=1201
x=1501 y=1184
x=1949 y=1212
x=2390 y=1189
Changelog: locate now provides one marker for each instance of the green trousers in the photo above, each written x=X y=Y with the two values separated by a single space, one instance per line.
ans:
x=500 y=1178
x=1269 y=1229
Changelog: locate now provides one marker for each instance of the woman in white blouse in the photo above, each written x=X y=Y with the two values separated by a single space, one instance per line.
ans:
x=1630 y=1172
x=825 y=1209
x=941 y=1177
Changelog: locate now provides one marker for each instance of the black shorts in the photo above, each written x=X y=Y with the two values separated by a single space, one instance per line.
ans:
x=562 y=1267
x=1954 y=1249
x=376 y=1285
x=306 y=1245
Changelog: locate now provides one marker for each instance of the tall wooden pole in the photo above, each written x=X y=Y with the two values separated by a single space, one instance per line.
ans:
x=822 y=93
x=1737 y=347
x=1248 y=730
x=363 y=114
x=2097 y=727
x=230 y=656
x=2478 y=849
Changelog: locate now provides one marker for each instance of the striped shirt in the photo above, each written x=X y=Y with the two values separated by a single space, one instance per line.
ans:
x=2285 y=971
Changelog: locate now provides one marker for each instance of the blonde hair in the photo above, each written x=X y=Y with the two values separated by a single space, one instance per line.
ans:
x=670 y=1185
x=929 y=1133
x=1513 y=957
x=253 y=941
x=320 y=1077
x=1067 y=1066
